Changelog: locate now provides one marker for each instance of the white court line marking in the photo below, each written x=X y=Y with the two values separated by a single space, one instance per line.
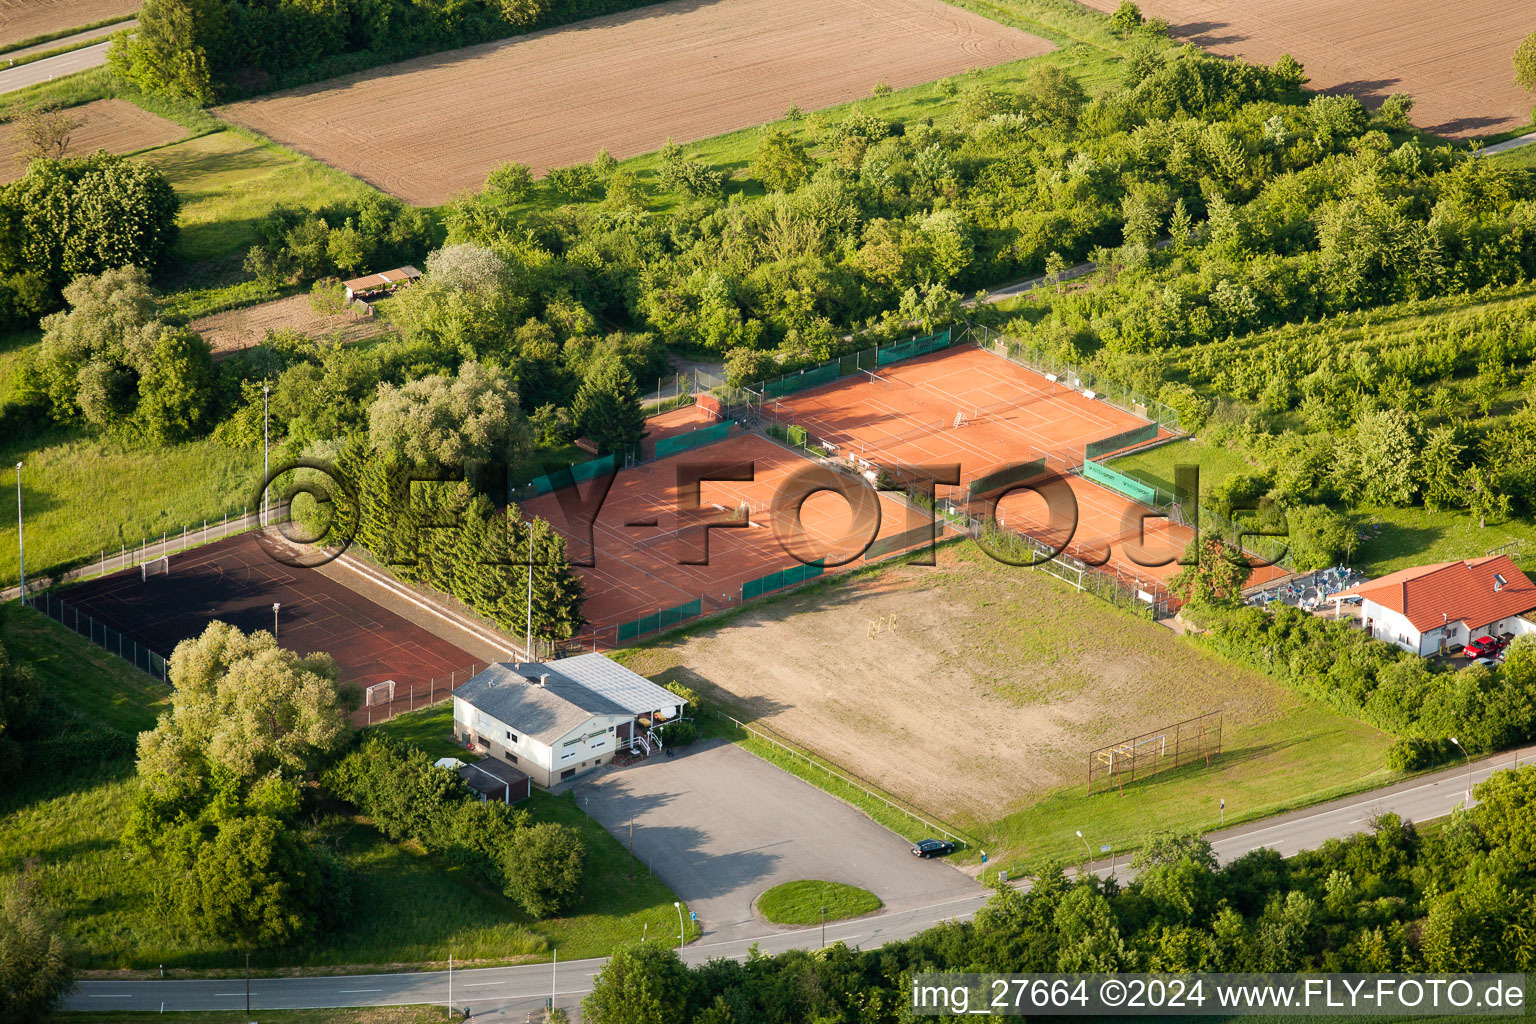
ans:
x=115 y=995
x=351 y=991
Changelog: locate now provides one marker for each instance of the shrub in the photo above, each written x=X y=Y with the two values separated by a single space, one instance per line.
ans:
x=1414 y=753
x=510 y=183
x=575 y=183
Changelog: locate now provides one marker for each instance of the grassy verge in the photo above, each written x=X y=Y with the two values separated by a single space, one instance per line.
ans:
x=806 y=901
x=48 y=37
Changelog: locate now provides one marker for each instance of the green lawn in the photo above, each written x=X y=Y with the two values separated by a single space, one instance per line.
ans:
x=812 y=901
x=430 y=729
x=83 y=494
x=228 y=182
x=1155 y=466
x=98 y=687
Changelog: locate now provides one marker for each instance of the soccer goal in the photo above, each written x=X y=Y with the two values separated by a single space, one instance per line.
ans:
x=381 y=693
x=155 y=567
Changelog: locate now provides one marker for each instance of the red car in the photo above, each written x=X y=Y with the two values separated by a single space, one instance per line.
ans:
x=1483 y=647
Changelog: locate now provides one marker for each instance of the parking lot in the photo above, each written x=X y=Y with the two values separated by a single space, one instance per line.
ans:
x=719 y=826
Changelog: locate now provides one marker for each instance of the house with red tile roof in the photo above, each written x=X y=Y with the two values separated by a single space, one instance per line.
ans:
x=1431 y=608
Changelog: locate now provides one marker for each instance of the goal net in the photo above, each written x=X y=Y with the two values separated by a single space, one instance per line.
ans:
x=155 y=567
x=381 y=693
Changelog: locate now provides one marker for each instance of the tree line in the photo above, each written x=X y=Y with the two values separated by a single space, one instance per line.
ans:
x=1458 y=898
x=207 y=50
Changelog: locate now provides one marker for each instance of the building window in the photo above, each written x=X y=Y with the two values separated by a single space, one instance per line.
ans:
x=511 y=757
x=482 y=741
x=568 y=773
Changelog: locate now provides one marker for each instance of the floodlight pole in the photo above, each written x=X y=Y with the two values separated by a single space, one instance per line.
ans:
x=266 y=450
x=275 y=606
x=21 y=543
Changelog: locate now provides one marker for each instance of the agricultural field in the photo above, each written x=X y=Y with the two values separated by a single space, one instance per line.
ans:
x=248 y=326
x=21 y=20
x=1454 y=60
x=974 y=690
x=428 y=128
x=114 y=125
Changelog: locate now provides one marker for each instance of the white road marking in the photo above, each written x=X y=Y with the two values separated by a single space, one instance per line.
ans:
x=352 y=991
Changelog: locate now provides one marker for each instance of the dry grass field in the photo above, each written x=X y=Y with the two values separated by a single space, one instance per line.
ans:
x=116 y=126
x=23 y=19
x=686 y=70
x=237 y=329
x=970 y=688
x=1454 y=60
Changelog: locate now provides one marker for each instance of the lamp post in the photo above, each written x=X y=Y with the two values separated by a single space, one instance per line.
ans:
x=266 y=450
x=247 y=986
x=823 y=927
x=528 y=640
x=680 y=938
x=21 y=543
x=275 y=606
x=1086 y=846
x=1469 y=770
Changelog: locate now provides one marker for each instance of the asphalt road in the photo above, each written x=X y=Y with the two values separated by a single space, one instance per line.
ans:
x=53 y=67
x=514 y=990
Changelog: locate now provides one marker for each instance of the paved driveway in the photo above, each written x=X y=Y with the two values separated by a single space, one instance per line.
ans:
x=719 y=826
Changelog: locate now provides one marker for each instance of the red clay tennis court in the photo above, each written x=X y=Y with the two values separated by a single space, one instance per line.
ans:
x=637 y=570
x=961 y=404
x=237 y=581
x=969 y=406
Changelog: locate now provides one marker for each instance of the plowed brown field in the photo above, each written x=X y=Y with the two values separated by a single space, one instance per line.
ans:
x=23 y=19
x=116 y=126
x=1454 y=59
x=430 y=127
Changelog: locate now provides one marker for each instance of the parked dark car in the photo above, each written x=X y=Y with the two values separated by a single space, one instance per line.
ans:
x=932 y=848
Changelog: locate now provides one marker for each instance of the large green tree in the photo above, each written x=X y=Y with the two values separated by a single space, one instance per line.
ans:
x=543 y=868
x=451 y=422
x=1525 y=63
x=85 y=215
x=168 y=51
x=243 y=710
x=607 y=408
x=644 y=984
x=34 y=959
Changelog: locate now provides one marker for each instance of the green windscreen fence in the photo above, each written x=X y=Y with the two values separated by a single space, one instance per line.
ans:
x=1008 y=476
x=783 y=578
x=913 y=347
x=580 y=473
x=693 y=439
x=659 y=620
x=918 y=536
x=816 y=376
x=1120 y=482
x=1125 y=439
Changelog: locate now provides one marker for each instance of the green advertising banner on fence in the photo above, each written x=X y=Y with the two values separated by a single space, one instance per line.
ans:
x=580 y=473
x=1005 y=477
x=659 y=620
x=816 y=376
x=693 y=439
x=1120 y=482
x=1124 y=439
x=913 y=347
x=783 y=578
